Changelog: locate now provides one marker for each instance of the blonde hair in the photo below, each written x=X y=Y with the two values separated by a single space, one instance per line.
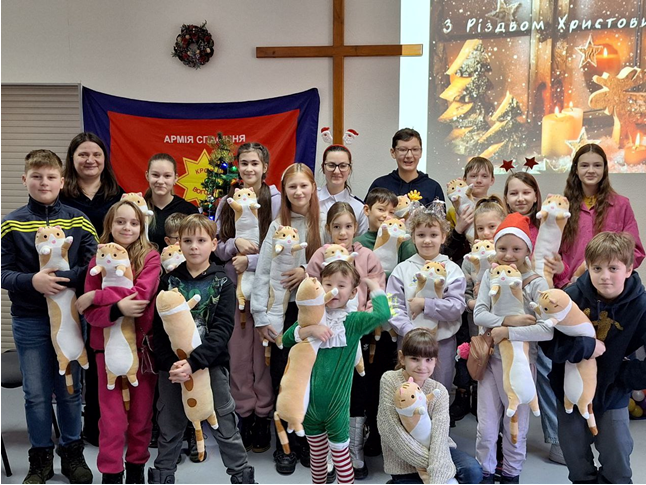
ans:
x=493 y=203
x=608 y=246
x=172 y=223
x=43 y=158
x=139 y=249
x=196 y=223
x=313 y=217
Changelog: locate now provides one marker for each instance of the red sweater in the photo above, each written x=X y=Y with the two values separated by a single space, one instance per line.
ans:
x=145 y=285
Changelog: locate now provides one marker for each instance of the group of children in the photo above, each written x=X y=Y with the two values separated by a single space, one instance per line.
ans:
x=421 y=344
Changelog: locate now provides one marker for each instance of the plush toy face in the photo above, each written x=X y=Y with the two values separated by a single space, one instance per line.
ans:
x=456 y=188
x=403 y=203
x=396 y=227
x=135 y=197
x=111 y=255
x=172 y=253
x=434 y=269
x=309 y=289
x=409 y=394
x=555 y=204
x=483 y=249
x=502 y=272
x=287 y=234
x=336 y=252
x=245 y=196
x=553 y=301
x=50 y=235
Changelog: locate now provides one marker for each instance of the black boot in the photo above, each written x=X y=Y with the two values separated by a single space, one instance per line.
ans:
x=461 y=405
x=154 y=437
x=245 y=426
x=160 y=476
x=41 y=465
x=506 y=479
x=135 y=473
x=261 y=439
x=245 y=476
x=373 y=443
x=112 y=478
x=73 y=464
x=285 y=463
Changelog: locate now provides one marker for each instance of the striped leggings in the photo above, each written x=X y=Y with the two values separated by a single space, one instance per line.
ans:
x=319 y=449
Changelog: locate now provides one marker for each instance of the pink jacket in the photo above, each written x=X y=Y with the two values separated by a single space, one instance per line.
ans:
x=619 y=217
x=366 y=263
x=145 y=285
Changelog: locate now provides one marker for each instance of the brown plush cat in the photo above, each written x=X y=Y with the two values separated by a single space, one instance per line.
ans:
x=52 y=247
x=197 y=395
x=172 y=257
x=121 y=358
x=390 y=236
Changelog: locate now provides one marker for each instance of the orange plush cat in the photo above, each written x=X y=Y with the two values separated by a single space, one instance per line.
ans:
x=172 y=257
x=431 y=280
x=459 y=193
x=554 y=214
x=580 y=381
x=140 y=202
x=390 y=236
x=197 y=395
x=120 y=339
x=52 y=247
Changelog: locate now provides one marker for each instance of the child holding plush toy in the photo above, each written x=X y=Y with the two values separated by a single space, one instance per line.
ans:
x=213 y=317
x=106 y=307
x=342 y=226
x=403 y=454
x=501 y=302
x=327 y=421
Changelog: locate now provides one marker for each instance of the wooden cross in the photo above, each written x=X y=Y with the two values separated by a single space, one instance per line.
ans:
x=338 y=51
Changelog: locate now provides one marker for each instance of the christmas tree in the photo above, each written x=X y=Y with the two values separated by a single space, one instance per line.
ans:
x=468 y=103
x=507 y=134
x=221 y=174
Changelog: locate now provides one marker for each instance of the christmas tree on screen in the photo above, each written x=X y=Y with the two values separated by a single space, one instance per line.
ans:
x=507 y=134
x=469 y=105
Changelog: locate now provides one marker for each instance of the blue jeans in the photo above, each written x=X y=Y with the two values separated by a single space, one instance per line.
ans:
x=41 y=380
x=467 y=470
x=546 y=399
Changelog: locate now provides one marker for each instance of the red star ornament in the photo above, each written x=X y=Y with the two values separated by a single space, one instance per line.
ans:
x=507 y=165
x=530 y=163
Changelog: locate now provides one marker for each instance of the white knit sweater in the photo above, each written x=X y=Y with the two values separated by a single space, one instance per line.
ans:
x=410 y=454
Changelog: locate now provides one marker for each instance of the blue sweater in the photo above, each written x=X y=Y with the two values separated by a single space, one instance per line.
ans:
x=427 y=187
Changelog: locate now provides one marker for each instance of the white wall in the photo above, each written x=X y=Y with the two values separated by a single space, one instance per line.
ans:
x=123 y=48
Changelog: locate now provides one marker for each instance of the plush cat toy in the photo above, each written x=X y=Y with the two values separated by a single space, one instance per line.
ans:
x=390 y=236
x=459 y=193
x=121 y=358
x=172 y=257
x=336 y=252
x=412 y=406
x=554 y=214
x=431 y=281
x=557 y=308
x=507 y=299
x=285 y=243
x=197 y=395
x=245 y=205
x=294 y=391
x=402 y=211
x=52 y=247
x=140 y=202
x=481 y=255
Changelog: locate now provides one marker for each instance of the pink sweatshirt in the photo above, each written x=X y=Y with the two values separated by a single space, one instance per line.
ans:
x=619 y=217
x=366 y=263
x=145 y=285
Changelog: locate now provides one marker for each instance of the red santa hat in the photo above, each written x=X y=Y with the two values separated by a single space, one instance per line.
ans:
x=515 y=224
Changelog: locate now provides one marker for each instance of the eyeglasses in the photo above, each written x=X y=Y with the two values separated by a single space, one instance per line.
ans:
x=331 y=167
x=404 y=151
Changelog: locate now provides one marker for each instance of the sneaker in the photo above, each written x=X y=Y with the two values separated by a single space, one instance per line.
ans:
x=261 y=439
x=461 y=405
x=41 y=465
x=135 y=473
x=506 y=479
x=112 y=478
x=73 y=464
x=160 y=476
x=246 y=425
x=556 y=454
x=331 y=476
x=245 y=476
x=359 y=473
x=285 y=463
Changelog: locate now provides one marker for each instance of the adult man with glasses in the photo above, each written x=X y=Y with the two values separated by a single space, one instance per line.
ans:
x=407 y=151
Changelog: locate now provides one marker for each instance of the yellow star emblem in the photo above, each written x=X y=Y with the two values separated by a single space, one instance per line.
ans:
x=589 y=52
x=579 y=142
x=195 y=174
x=505 y=12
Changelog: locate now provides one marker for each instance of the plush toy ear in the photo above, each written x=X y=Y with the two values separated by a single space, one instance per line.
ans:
x=280 y=227
x=443 y=264
x=295 y=230
x=100 y=246
x=175 y=290
x=410 y=379
x=494 y=265
x=513 y=265
x=552 y=301
x=236 y=190
x=139 y=194
x=325 y=246
x=123 y=196
x=403 y=221
x=565 y=198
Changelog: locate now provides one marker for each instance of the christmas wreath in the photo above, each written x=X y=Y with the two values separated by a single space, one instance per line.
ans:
x=194 y=45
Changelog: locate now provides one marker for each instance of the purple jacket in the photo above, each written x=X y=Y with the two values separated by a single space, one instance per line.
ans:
x=226 y=251
x=619 y=217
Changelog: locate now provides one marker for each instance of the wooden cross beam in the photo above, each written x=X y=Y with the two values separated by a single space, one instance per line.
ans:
x=338 y=51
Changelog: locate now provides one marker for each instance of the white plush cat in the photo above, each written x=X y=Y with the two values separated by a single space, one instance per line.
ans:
x=431 y=281
x=52 y=247
x=390 y=237
x=554 y=214
x=459 y=193
x=481 y=255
